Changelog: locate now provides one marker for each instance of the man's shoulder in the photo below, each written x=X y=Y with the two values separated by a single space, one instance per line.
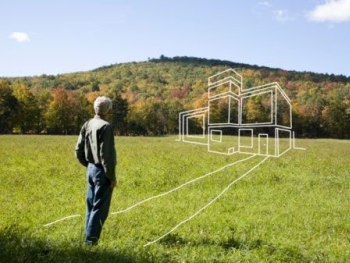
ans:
x=98 y=123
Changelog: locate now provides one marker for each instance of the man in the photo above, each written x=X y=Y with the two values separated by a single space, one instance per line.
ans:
x=95 y=150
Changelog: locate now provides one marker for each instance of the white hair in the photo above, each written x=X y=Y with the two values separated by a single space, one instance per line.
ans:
x=102 y=105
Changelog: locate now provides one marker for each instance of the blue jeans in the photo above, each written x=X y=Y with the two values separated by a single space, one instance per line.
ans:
x=98 y=200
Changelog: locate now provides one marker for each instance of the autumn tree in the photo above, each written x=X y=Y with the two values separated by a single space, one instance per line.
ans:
x=61 y=113
x=311 y=104
x=257 y=109
x=136 y=122
x=28 y=110
x=336 y=114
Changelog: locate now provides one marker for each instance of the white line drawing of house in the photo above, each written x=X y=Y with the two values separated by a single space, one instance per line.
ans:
x=253 y=120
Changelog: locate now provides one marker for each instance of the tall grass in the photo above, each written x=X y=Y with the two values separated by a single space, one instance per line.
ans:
x=290 y=209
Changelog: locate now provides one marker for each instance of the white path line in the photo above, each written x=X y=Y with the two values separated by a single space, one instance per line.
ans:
x=180 y=186
x=208 y=204
x=59 y=220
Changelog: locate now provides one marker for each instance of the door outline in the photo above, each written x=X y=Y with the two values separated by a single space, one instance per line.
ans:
x=263 y=144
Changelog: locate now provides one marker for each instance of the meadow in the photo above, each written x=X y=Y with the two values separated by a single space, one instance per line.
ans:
x=294 y=208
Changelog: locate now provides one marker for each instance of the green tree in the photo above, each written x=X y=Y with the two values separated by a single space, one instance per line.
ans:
x=43 y=98
x=155 y=118
x=173 y=110
x=80 y=110
x=119 y=113
x=8 y=107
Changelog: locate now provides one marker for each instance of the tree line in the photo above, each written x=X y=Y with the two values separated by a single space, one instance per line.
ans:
x=147 y=97
x=62 y=111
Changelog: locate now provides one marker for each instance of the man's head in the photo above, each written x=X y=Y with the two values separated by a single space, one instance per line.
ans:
x=102 y=105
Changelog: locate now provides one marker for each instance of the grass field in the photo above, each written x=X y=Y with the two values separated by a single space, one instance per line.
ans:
x=295 y=208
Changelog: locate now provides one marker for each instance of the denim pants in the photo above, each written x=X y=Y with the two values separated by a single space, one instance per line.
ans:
x=98 y=200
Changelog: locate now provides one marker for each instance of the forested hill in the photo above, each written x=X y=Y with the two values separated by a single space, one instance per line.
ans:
x=150 y=94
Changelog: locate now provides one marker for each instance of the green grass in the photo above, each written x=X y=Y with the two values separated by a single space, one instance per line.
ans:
x=290 y=209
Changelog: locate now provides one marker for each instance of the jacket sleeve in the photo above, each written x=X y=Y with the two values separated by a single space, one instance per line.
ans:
x=108 y=153
x=80 y=147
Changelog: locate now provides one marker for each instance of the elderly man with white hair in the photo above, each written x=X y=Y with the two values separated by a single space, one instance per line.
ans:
x=95 y=149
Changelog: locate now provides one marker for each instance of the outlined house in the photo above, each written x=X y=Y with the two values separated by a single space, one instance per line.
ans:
x=256 y=120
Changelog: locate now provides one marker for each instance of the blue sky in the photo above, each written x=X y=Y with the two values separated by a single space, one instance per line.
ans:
x=61 y=36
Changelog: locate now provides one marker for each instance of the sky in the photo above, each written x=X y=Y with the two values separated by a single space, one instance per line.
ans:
x=63 y=36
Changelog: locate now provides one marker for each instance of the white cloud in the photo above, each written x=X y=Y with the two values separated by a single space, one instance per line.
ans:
x=282 y=15
x=265 y=3
x=331 y=10
x=20 y=36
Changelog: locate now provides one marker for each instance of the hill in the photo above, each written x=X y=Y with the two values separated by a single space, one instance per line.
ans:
x=150 y=94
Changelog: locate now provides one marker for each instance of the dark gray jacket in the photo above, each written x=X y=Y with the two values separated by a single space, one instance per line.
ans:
x=96 y=145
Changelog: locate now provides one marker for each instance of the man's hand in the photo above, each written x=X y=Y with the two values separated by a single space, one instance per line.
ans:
x=113 y=184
